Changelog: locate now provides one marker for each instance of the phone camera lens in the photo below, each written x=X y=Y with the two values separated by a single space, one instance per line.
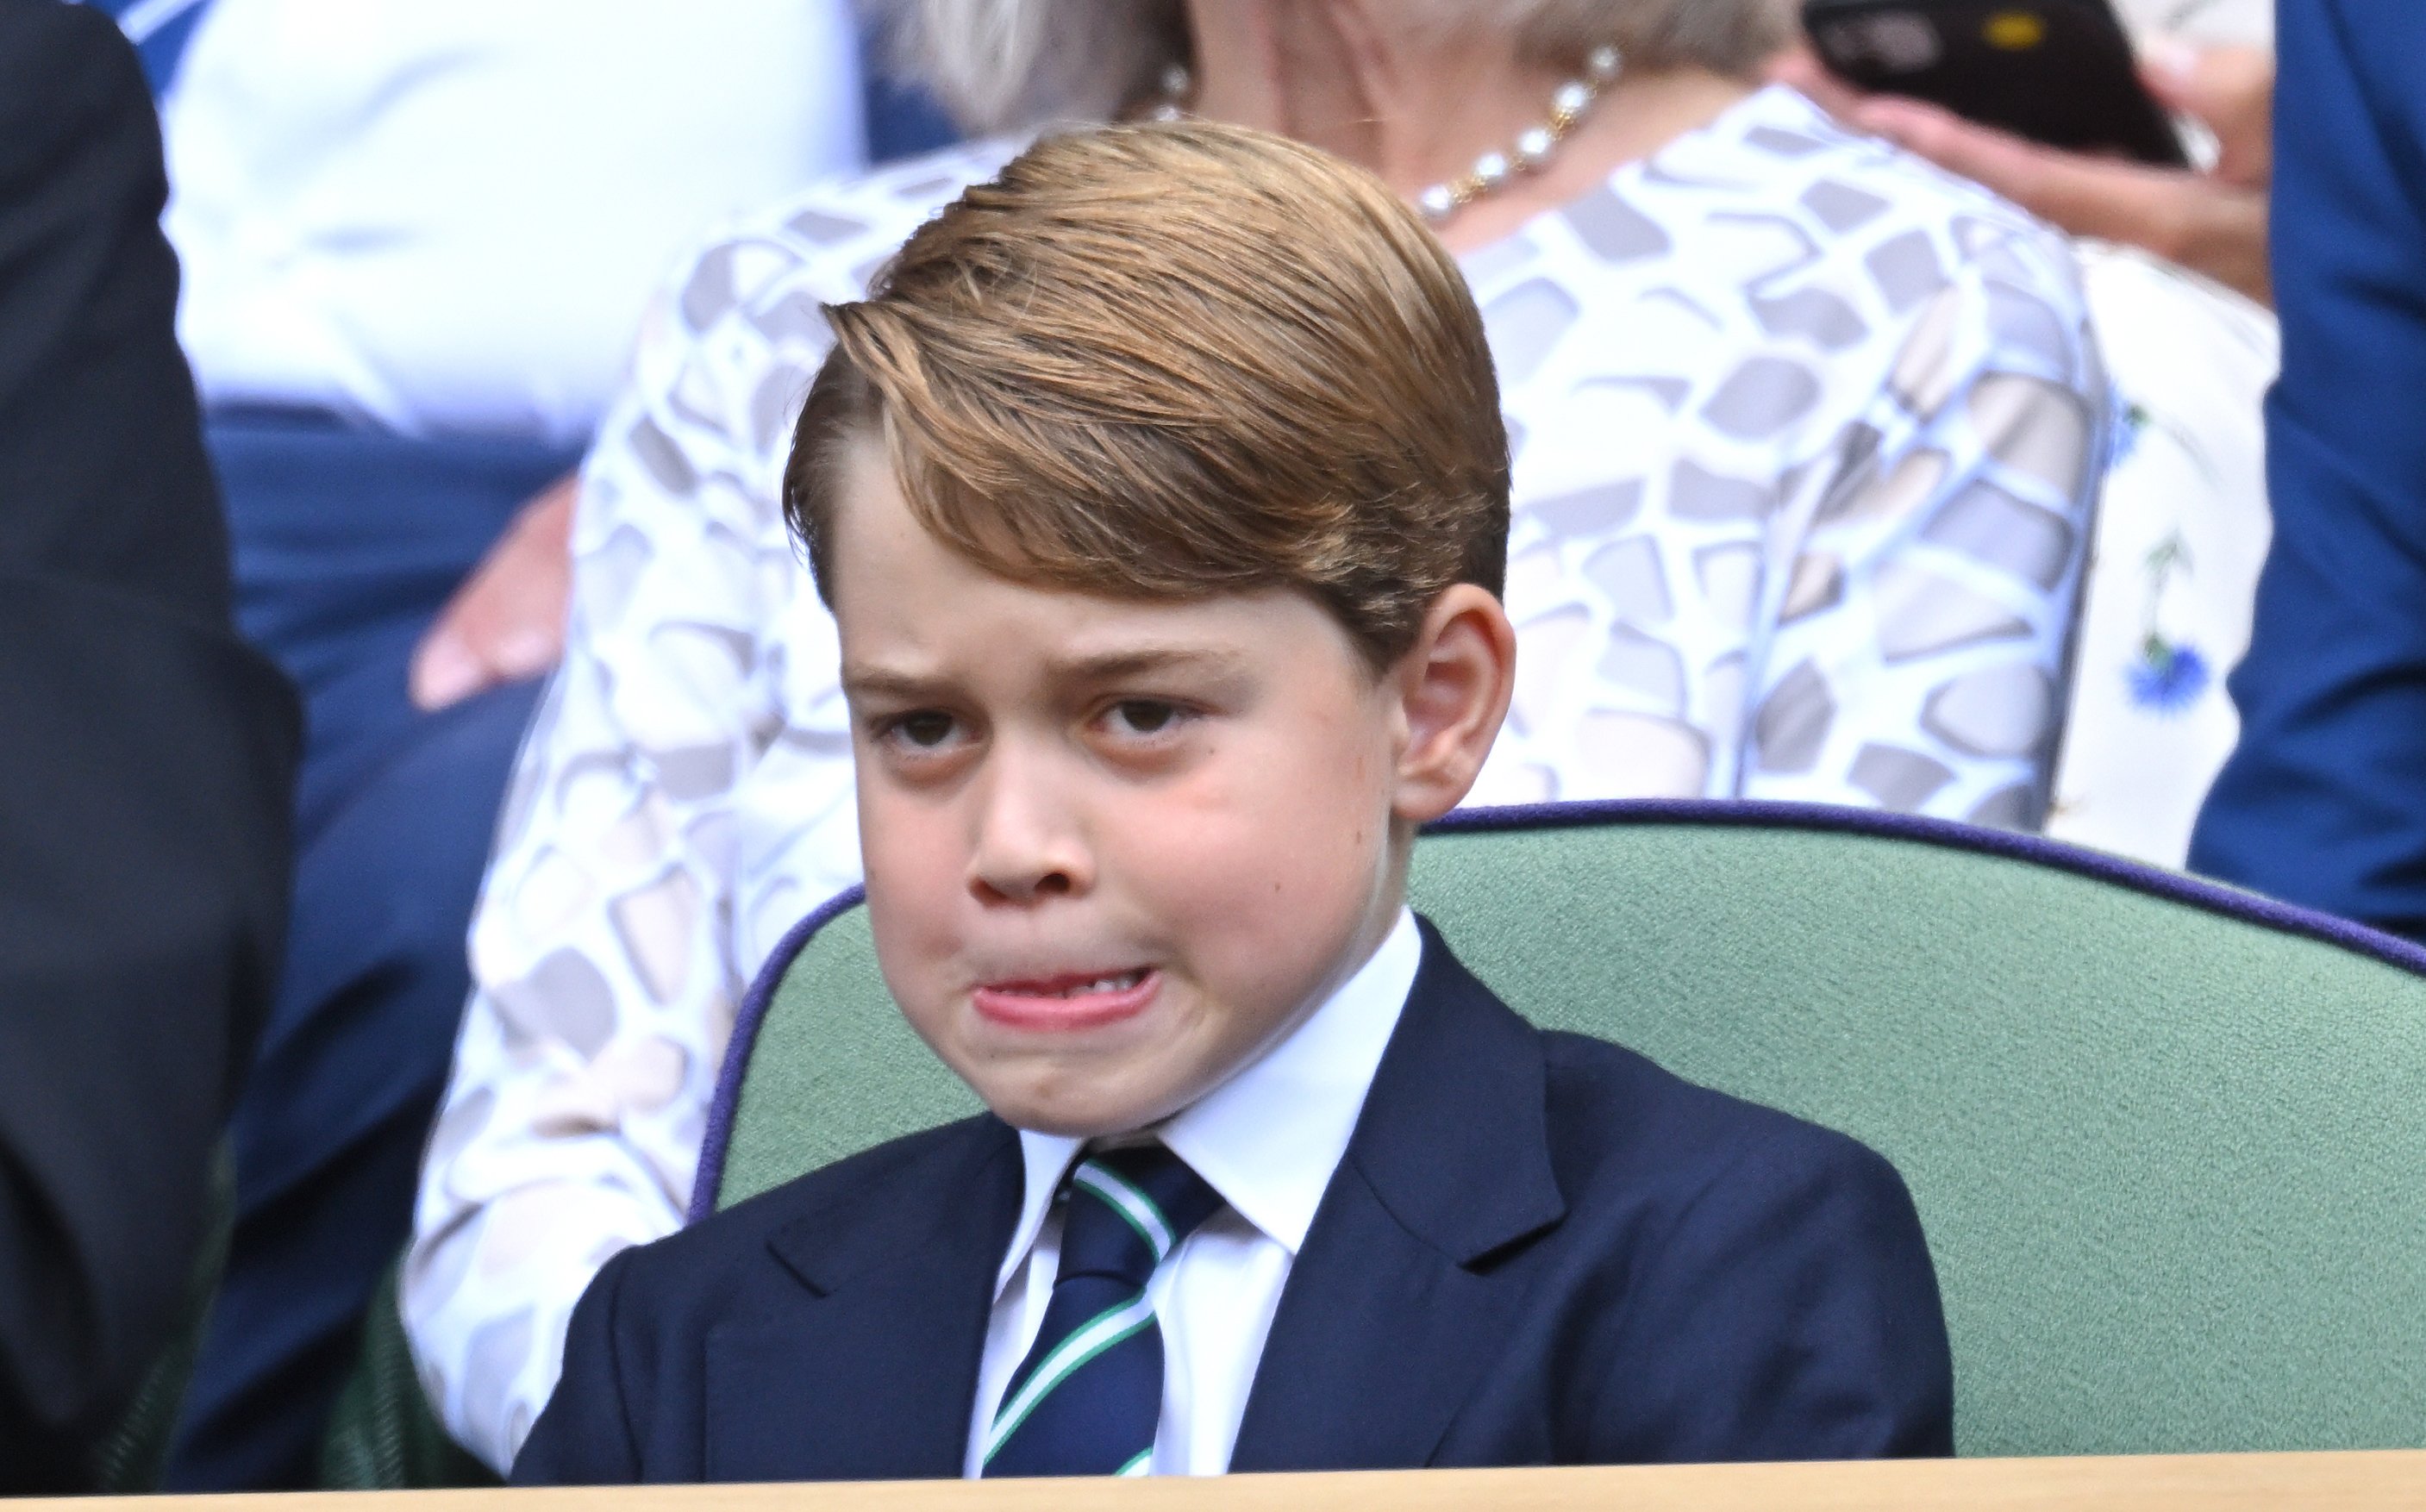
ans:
x=2016 y=31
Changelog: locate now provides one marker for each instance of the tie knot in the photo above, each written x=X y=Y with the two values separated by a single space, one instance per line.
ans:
x=1128 y=1209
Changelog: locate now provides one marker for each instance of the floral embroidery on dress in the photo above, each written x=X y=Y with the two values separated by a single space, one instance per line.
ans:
x=2182 y=530
x=2169 y=675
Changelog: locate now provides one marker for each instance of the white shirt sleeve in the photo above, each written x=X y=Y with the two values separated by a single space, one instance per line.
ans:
x=446 y=215
x=1913 y=655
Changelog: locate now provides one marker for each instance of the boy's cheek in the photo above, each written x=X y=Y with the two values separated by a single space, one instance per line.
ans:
x=912 y=854
x=914 y=878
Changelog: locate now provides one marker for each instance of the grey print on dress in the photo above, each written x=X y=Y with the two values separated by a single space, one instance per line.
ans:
x=1809 y=442
x=1803 y=439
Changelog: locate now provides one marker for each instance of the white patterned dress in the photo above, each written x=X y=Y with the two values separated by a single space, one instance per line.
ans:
x=1805 y=435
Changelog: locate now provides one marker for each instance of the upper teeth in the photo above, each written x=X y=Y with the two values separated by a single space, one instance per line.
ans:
x=1103 y=984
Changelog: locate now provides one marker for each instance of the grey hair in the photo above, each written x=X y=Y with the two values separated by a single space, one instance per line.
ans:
x=998 y=65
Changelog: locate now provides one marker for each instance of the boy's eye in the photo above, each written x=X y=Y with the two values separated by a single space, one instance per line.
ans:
x=926 y=729
x=1143 y=716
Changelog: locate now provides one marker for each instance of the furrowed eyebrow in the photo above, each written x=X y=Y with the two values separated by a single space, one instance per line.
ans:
x=882 y=682
x=1145 y=661
x=886 y=683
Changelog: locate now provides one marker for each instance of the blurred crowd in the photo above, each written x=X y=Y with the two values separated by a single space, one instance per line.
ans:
x=438 y=727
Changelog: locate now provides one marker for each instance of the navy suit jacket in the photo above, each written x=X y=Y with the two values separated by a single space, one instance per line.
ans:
x=1539 y=1249
x=2325 y=802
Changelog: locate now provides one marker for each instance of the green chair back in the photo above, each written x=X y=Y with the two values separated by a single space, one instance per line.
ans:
x=381 y=1434
x=2168 y=1141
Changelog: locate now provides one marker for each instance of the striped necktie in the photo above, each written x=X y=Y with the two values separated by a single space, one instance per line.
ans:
x=1086 y=1399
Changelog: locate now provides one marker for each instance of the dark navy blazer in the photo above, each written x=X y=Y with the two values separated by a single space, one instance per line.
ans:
x=1540 y=1248
x=2325 y=802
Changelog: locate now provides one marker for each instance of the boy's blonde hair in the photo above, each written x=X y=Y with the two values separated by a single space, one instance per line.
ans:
x=1167 y=361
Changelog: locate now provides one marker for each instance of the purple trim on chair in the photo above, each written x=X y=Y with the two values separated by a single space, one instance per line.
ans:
x=718 y=1138
x=2170 y=886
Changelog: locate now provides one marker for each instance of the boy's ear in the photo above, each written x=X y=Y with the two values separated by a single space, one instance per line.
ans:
x=1454 y=684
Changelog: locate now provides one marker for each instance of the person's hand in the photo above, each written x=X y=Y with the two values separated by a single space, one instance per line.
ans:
x=2213 y=222
x=506 y=621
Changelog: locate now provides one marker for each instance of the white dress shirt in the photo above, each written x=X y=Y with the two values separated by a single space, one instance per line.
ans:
x=447 y=216
x=1267 y=1140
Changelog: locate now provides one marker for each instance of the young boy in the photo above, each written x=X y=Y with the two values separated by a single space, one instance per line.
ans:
x=1160 y=495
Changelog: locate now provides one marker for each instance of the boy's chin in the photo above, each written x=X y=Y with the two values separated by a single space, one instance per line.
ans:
x=1091 y=1107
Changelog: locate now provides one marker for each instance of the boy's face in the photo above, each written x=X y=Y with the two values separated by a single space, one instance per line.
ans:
x=1114 y=849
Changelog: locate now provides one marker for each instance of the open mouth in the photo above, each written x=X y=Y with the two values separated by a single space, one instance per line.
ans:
x=1068 y=1002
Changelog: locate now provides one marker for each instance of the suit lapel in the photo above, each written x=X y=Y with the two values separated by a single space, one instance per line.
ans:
x=1391 y=1313
x=865 y=1364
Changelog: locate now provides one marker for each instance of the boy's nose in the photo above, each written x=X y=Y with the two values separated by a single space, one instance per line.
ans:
x=1027 y=844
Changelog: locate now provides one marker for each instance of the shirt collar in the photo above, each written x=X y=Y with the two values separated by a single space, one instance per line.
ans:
x=1268 y=1138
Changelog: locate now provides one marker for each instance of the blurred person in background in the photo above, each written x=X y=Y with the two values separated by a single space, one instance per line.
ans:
x=419 y=235
x=148 y=762
x=2208 y=61
x=1805 y=435
x=2324 y=801
x=2174 y=262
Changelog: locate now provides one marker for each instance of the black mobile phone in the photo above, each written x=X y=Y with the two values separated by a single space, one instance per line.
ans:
x=2059 y=71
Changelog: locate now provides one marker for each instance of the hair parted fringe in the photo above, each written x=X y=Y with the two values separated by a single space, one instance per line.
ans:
x=1003 y=65
x=1167 y=361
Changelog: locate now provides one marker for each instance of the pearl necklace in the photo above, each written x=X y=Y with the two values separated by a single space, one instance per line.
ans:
x=1531 y=149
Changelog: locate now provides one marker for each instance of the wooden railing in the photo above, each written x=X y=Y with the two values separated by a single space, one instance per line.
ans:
x=2201 y=1483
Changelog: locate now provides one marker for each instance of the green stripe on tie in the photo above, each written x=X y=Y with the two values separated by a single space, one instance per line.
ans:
x=1143 y=1213
x=1097 y=1334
